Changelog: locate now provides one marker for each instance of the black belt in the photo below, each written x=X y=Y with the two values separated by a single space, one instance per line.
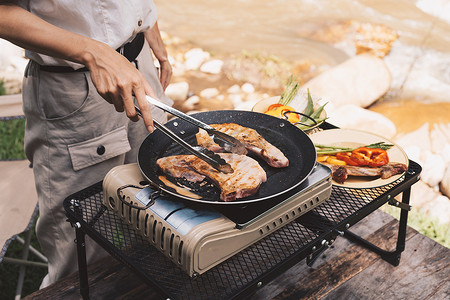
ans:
x=130 y=50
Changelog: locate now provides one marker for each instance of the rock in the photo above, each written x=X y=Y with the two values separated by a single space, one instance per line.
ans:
x=445 y=153
x=433 y=169
x=431 y=202
x=440 y=137
x=444 y=185
x=9 y=53
x=178 y=91
x=209 y=93
x=12 y=67
x=360 y=81
x=236 y=99
x=428 y=77
x=255 y=97
x=178 y=67
x=247 y=105
x=408 y=141
x=190 y=103
x=234 y=89
x=356 y=37
x=212 y=67
x=414 y=153
x=355 y=117
x=248 y=88
x=12 y=82
x=195 y=58
x=440 y=208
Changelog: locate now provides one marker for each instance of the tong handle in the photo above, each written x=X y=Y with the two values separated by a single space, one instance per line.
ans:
x=221 y=166
x=230 y=143
x=179 y=114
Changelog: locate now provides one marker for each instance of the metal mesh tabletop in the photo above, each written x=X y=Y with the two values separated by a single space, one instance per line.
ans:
x=244 y=272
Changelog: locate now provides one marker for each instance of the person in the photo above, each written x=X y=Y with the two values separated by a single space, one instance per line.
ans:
x=87 y=59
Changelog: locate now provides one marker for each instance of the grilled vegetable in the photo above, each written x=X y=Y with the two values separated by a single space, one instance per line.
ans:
x=335 y=161
x=329 y=149
x=283 y=111
x=371 y=157
x=362 y=157
x=346 y=156
x=309 y=108
x=286 y=98
x=289 y=93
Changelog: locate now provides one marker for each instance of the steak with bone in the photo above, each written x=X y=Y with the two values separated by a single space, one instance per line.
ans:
x=243 y=182
x=252 y=140
x=341 y=173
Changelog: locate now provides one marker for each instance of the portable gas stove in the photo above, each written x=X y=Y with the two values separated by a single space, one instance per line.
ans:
x=197 y=237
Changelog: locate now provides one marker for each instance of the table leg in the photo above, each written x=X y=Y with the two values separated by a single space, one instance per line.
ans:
x=81 y=249
x=82 y=263
x=393 y=257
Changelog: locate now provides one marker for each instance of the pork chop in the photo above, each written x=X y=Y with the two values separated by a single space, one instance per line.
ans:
x=243 y=182
x=340 y=173
x=177 y=166
x=252 y=140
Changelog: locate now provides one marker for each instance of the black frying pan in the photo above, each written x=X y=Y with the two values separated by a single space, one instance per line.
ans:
x=293 y=142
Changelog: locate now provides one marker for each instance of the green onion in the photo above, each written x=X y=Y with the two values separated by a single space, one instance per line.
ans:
x=308 y=123
x=328 y=149
x=309 y=108
x=316 y=114
x=290 y=92
x=380 y=145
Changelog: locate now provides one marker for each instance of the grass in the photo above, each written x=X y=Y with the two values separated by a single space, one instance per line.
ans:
x=423 y=224
x=11 y=147
x=11 y=139
x=9 y=273
x=2 y=87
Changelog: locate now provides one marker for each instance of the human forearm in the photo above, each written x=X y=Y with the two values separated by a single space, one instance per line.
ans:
x=30 y=32
x=153 y=37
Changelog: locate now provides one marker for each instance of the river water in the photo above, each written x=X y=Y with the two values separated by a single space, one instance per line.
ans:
x=419 y=60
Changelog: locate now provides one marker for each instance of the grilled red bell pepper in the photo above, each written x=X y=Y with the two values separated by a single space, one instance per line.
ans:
x=346 y=156
x=372 y=157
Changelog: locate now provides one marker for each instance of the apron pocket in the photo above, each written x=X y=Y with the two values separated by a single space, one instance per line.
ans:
x=96 y=150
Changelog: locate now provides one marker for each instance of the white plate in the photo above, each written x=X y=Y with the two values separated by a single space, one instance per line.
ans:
x=262 y=106
x=356 y=138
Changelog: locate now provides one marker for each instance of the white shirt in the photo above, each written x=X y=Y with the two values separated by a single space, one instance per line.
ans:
x=114 y=22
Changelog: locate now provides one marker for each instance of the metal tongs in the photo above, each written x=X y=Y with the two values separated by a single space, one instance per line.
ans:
x=229 y=143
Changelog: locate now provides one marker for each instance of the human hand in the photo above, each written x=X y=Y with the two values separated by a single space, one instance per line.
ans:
x=117 y=80
x=165 y=73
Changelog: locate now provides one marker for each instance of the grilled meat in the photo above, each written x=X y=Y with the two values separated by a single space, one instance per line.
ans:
x=341 y=173
x=244 y=181
x=177 y=166
x=252 y=140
